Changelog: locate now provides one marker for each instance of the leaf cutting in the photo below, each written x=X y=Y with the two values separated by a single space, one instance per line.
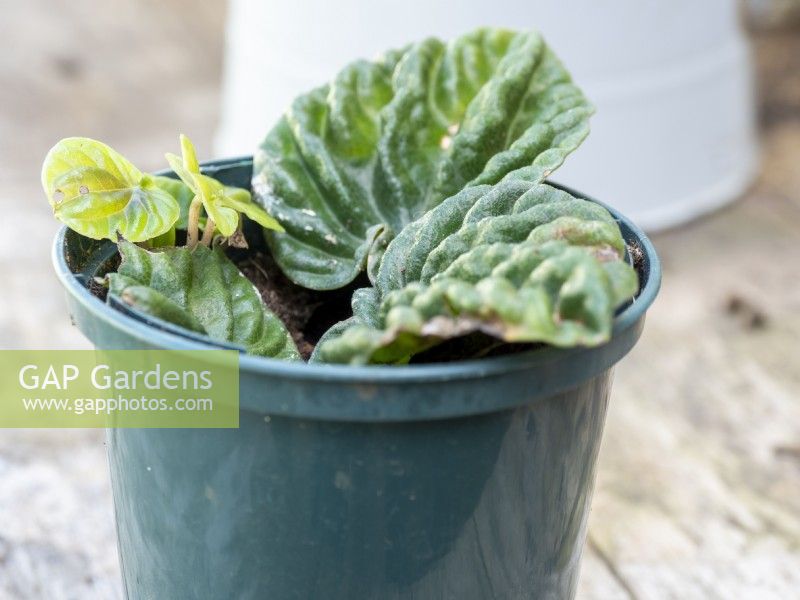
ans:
x=521 y=261
x=353 y=162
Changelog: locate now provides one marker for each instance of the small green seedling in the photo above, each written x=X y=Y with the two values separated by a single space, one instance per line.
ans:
x=224 y=205
x=97 y=192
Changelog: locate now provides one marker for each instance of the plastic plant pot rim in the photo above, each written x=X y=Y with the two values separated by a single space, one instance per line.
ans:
x=626 y=329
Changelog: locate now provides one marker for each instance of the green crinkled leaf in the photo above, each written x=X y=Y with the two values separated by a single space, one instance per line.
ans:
x=152 y=302
x=202 y=290
x=98 y=193
x=353 y=162
x=521 y=261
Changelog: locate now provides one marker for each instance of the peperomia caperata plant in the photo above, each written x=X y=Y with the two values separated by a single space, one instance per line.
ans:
x=414 y=185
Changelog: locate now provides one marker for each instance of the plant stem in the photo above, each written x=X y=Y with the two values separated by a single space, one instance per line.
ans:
x=192 y=227
x=208 y=232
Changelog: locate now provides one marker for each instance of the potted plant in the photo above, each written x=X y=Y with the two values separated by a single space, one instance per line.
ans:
x=426 y=352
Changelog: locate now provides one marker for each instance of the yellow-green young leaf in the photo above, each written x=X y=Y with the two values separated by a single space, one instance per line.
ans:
x=189 y=155
x=212 y=192
x=98 y=193
x=183 y=194
x=388 y=140
x=202 y=290
x=222 y=204
x=237 y=194
x=164 y=240
x=177 y=165
x=250 y=209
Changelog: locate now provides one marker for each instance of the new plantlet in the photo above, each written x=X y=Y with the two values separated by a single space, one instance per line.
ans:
x=97 y=192
x=222 y=204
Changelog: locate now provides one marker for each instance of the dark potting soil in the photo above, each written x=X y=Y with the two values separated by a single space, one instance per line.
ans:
x=637 y=258
x=307 y=314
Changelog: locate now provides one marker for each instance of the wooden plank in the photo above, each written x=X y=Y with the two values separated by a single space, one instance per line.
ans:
x=697 y=493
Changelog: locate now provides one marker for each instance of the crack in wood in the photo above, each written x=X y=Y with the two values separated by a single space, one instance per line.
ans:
x=611 y=567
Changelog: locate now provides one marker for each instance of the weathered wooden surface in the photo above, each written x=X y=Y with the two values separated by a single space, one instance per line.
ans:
x=133 y=73
x=698 y=492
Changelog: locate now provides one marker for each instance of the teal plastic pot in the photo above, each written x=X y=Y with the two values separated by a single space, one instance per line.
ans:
x=465 y=480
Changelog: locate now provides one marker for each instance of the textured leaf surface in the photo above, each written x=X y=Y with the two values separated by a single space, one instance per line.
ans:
x=352 y=163
x=153 y=302
x=521 y=261
x=201 y=290
x=98 y=193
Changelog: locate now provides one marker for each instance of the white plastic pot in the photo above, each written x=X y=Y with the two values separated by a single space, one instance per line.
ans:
x=671 y=82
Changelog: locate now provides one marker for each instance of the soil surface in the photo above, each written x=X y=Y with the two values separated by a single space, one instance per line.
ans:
x=307 y=314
